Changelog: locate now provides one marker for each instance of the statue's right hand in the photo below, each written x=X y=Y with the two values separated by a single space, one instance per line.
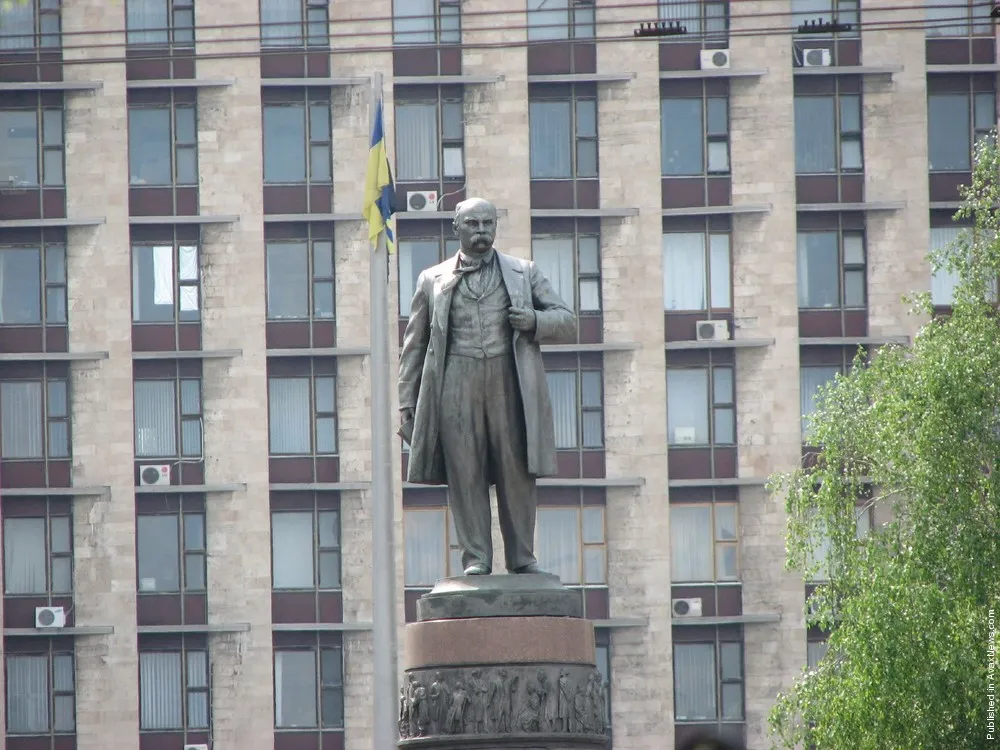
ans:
x=405 y=415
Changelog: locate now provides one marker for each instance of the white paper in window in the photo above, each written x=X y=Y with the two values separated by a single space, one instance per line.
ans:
x=453 y=161
x=188 y=266
x=163 y=275
x=189 y=298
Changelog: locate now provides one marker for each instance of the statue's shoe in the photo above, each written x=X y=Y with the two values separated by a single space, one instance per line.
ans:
x=527 y=569
x=477 y=569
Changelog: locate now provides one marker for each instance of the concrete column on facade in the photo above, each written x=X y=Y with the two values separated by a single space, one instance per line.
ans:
x=235 y=389
x=765 y=301
x=635 y=418
x=99 y=294
x=895 y=151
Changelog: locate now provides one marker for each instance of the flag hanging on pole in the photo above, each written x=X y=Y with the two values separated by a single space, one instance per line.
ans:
x=380 y=192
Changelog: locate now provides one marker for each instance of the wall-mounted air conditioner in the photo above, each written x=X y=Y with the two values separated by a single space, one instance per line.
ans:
x=50 y=617
x=816 y=58
x=151 y=475
x=421 y=200
x=686 y=607
x=712 y=330
x=715 y=59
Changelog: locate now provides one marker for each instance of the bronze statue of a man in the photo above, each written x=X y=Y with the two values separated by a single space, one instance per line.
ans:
x=473 y=398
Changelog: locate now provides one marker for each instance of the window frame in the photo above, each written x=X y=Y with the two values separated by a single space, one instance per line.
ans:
x=451 y=557
x=708 y=234
x=973 y=26
x=42 y=38
x=712 y=407
x=581 y=579
x=46 y=416
x=582 y=409
x=842 y=135
x=319 y=550
x=580 y=278
x=178 y=248
x=709 y=135
x=316 y=372
x=697 y=28
x=581 y=22
x=977 y=130
x=719 y=680
x=176 y=142
x=717 y=542
x=444 y=100
x=46 y=251
x=51 y=555
x=187 y=551
x=841 y=369
x=845 y=268
x=574 y=95
x=447 y=246
x=44 y=108
x=307 y=36
x=51 y=654
x=441 y=36
x=841 y=10
x=312 y=281
x=308 y=101
x=187 y=690
x=178 y=33
x=182 y=417
x=322 y=687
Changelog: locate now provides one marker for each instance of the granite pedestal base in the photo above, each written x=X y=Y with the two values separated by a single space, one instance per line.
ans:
x=502 y=661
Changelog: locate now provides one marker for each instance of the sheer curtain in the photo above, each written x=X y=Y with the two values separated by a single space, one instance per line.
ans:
x=943 y=282
x=685 y=12
x=20 y=281
x=27 y=694
x=425 y=547
x=557 y=531
x=147 y=21
x=155 y=410
x=687 y=406
x=292 y=548
x=287 y=280
x=691 y=543
x=694 y=682
x=280 y=23
x=157 y=541
x=21 y=420
x=810 y=380
x=684 y=271
x=554 y=258
x=295 y=689
x=815 y=135
x=290 y=415
x=719 y=271
x=551 y=140
x=818 y=269
x=416 y=142
x=197 y=689
x=682 y=134
x=562 y=391
x=17 y=25
x=415 y=256
x=160 y=691
x=548 y=19
x=24 y=555
x=413 y=21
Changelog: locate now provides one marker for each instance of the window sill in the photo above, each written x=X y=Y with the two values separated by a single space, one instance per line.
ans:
x=301 y=82
x=180 y=83
x=853 y=340
x=615 y=346
x=321 y=627
x=945 y=205
x=720 y=344
x=199 y=219
x=180 y=489
x=276 y=218
x=236 y=627
x=337 y=351
x=666 y=75
x=621 y=622
x=52 y=356
x=319 y=486
x=467 y=80
x=734 y=620
x=56 y=632
x=726 y=482
x=849 y=70
x=51 y=85
x=866 y=206
x=583 y=213
x=190 y=354
x=98 y=491
x=747 y=208
x=43 y=223
x=582 y=78
x=964 y=68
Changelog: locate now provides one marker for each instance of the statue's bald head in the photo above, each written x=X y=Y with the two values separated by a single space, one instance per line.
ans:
x=475 y=224
x=474 y=204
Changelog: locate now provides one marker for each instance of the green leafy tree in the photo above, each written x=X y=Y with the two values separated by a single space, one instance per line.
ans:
x=916 y=431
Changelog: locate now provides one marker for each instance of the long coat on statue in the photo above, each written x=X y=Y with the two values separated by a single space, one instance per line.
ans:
x=425 y=344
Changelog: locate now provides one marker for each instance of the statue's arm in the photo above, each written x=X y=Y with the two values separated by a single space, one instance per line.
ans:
x=415 y=339
x=555 y=322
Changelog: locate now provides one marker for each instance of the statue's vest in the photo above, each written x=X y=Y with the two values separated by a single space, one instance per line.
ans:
x=479 y=326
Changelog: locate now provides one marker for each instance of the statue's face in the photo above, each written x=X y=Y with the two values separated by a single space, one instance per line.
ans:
x=476 y=228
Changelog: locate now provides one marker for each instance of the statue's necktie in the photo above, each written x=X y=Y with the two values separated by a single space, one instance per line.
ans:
x=475 y=273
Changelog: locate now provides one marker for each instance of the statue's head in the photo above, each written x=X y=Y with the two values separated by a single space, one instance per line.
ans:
x=475 y=225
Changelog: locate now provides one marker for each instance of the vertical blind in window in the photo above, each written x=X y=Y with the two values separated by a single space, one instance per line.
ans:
x=811 y=379
x=21 y=420
x=24 y=557
x=551 y=139
x=417 y=141
x=562 y=391
x=295 y=689
x=161 y=696
x=557 y=533
x=290 y=415
x=815 y=135
x=155 y=418
x=554 y=258
x=425 y=547
x=694 y=682
x=691 y=545
x=280 y=23
x=293 y=545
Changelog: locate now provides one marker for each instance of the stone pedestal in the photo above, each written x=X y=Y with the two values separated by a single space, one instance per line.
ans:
x=502 y=661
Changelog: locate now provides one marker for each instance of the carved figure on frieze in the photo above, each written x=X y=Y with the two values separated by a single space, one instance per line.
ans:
x=420 y=715
x=598 y=706
x=546 y=718
x=528 y=716
x=478 y=698
x=564 y=703
x=499 y=703
x=411 y=699
x=404 y=714
x=581 y=712
x=455 y=721
x=439 y=698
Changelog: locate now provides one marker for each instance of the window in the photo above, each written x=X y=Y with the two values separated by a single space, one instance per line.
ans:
x=166 y=281
x=33 y=285
x=160 y=22
x=958 y=18
x=696 y=271
x=577 y=407
x=694 y=135
x=700 y=406
x=699 y=16
x=294 y=23
x=416 y=256
x=831 y=269
x=943 y=282
x=28 y=25
x=297 y=142
x=811 y=379
x=300 y=282
x=841 y=11
x=41 y=696
x=570 y=543
x=429 y=140
x=38 y=555
x=173 y=690
x=34 y=418
x=170 y=552
x=955 y=121
x=561 y=19
x=305 y=549
x=563 y=136
x=309 y=688
x=815 y=651
x=302 y=415
x=31 y=146
x=430 y=546
x=573 y=266
x=163 y=145
x=820 y=555
x=708 y=681
x=426 y=22
x=704 y=543
x=168 y=413
x=828 y=134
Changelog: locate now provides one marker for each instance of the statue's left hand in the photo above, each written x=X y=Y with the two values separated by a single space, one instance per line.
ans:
x=522 y=318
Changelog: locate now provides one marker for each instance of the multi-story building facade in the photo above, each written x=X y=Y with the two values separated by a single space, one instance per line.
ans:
x=184 y=321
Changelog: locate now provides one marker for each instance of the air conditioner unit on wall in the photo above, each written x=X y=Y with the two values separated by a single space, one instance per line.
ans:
x=714 y=59
x=50 y=617
x=154 y=474
x=421 y=200
x=816 y=58
x=712 y=330
x=686 y=607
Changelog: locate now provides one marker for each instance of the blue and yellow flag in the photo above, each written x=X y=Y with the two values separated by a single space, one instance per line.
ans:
x=380 y=192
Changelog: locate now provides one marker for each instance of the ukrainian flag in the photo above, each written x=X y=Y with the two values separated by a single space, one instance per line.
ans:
x=380 y=192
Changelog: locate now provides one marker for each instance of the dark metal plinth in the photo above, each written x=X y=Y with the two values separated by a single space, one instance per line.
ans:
x=534 y=595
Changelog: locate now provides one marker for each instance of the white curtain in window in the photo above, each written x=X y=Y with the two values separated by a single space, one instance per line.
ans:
x=685 y=12
x=815 y=135
x=17 y=25
x=21 y=419
x=719 y=267
x=687 y=406
x=147 y=21
x=413 y=21
x=943 y=282
x=691 y=543
x=290 y=415
x=160 y=691
x=562 y=391
x=554 y=258
x=292 y=550
x=557 y=534
x=694 y=682
x=551 y=140
x=942 y=15
x=548 y=19
x=281 y=23
x=416 y=141
x=24 y=558
x=810 y=381
x=27 y=694
x=815 y=651
x=155 y=418
x=295 y=689
x=425 y=545
x=684 y=271
x=63 y=713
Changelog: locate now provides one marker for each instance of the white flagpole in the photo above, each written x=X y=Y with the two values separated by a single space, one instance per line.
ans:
x=385 y=698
